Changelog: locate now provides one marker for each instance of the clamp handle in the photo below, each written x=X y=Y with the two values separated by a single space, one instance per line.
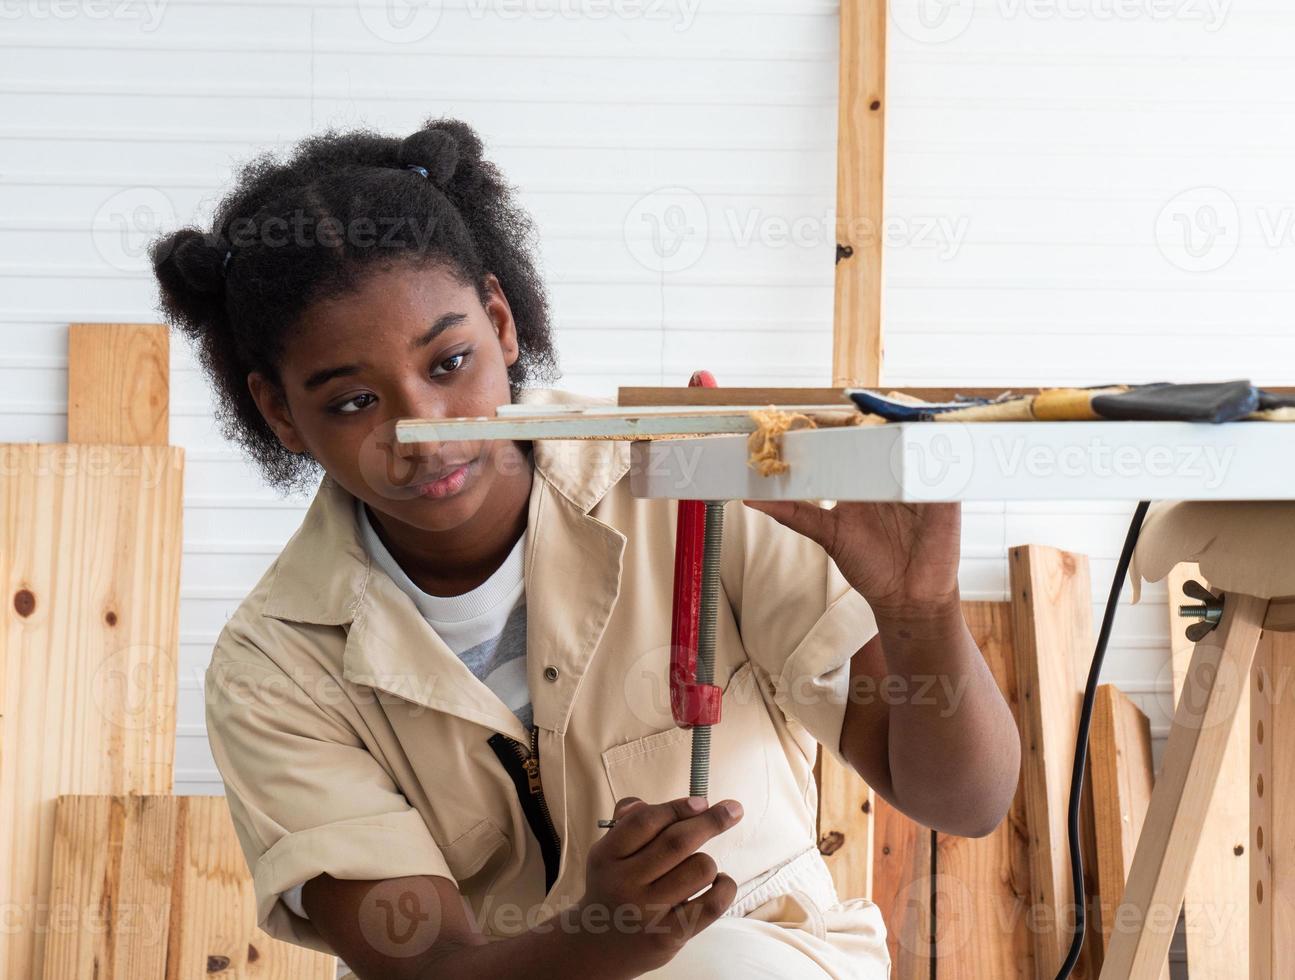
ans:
x=690 y=703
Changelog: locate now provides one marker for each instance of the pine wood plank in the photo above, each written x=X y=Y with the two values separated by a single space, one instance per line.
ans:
x=88 y=641
x=647 y=397
x=845 y=826
x=1122 y=776
x=1281 y=614
x=1052 y=631
x=90 y=543
x=118 y=383
x=156 y=887
x=902 y=888
x=643 y=396
x=860 y=168
x=605 y=423
x=983 y=884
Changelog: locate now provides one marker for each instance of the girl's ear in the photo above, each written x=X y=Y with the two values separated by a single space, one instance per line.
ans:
x=274 y=408
x=501 y=315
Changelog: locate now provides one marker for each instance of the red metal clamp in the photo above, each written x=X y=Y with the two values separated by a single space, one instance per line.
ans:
x=691 y=703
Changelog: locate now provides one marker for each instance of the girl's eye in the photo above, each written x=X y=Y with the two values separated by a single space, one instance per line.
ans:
x=457 y=358
x=352 y=405
x=342 y=409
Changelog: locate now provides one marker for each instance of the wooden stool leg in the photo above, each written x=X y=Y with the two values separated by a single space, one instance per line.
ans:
x=1272 y=809
x=1218 y=676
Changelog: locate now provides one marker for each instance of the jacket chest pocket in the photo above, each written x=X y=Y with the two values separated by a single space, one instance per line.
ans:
x=480 y=850
x=745 y=760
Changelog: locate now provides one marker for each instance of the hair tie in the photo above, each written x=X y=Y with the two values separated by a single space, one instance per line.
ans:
x=416 y=169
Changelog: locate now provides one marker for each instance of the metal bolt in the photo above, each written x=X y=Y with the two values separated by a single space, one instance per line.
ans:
x=1210 y=613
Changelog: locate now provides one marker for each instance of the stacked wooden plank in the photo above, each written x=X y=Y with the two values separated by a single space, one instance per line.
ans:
x=1120 y=771
x=157 y=887
x=90 y=545
x=90 y=533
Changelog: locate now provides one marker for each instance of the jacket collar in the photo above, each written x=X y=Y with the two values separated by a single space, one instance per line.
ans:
x=324 y=576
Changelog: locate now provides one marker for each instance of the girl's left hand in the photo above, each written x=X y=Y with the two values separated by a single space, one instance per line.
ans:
x=902 y=558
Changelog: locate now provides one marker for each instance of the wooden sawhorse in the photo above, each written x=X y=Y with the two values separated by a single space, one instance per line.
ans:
x=1240 y=657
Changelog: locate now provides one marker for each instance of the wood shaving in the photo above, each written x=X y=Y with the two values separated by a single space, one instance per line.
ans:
x=764 y=445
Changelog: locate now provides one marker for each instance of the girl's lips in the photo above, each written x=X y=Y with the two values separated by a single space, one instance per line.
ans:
x=450 y=483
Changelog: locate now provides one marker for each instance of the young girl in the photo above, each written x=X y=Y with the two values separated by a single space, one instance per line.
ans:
x=459 y=663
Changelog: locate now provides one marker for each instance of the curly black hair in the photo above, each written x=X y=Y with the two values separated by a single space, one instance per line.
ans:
x=308 y=228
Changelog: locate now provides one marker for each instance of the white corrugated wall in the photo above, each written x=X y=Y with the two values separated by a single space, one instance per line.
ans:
x=1078 y=191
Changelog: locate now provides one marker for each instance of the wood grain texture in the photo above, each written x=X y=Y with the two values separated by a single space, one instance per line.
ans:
x=89 y=637
x=642 y=396
x=1216 y=904
x=1217 y=680
x=649 y=397
x=902 y=887
x=1281 y=614
x=860 y=167
x=1052 y=631
x=983 y=884
x=156 y=887
x=845 y=826
x=1271 y=853
x=1122 y=775
x=118 y=383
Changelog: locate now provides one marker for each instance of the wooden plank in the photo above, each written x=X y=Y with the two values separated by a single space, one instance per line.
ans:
x=575 y=410
x=89 y=635
x=118 y=383
x=602 y=424
x=157 y=887
x=1281 y=614
x=1216 y=904
x=860 y=169
x=1121 y=774
x=1216 y=682
x=1052 y=631
x=666 y=395
x=845 y=826
x=647 y=397
x=983 y=884
x=1271 y=794
x=91 y=536
x=902 y=887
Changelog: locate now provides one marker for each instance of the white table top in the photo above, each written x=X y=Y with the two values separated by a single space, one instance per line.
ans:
x=984 y=461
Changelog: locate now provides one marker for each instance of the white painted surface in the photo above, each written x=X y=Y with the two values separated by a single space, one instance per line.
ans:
x=1044 y=223
x=983 y=461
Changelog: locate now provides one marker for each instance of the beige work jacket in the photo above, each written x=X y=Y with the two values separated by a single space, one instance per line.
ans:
x=351 y=739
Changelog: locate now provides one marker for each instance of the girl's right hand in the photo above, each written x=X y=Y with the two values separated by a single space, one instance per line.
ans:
x=640 y=876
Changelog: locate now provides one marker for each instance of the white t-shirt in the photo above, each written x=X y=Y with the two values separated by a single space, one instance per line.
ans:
x=486 y=627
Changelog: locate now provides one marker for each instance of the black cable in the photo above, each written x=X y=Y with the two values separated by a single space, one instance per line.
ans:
x=1081 y=738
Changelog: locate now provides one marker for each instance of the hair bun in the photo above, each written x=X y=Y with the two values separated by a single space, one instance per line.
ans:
x=190 y=259
x=434 y=149
x=447 y=148
x=189 y=265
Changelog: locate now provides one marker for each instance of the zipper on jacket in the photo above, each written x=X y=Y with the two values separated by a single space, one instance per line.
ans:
x=523 y=765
